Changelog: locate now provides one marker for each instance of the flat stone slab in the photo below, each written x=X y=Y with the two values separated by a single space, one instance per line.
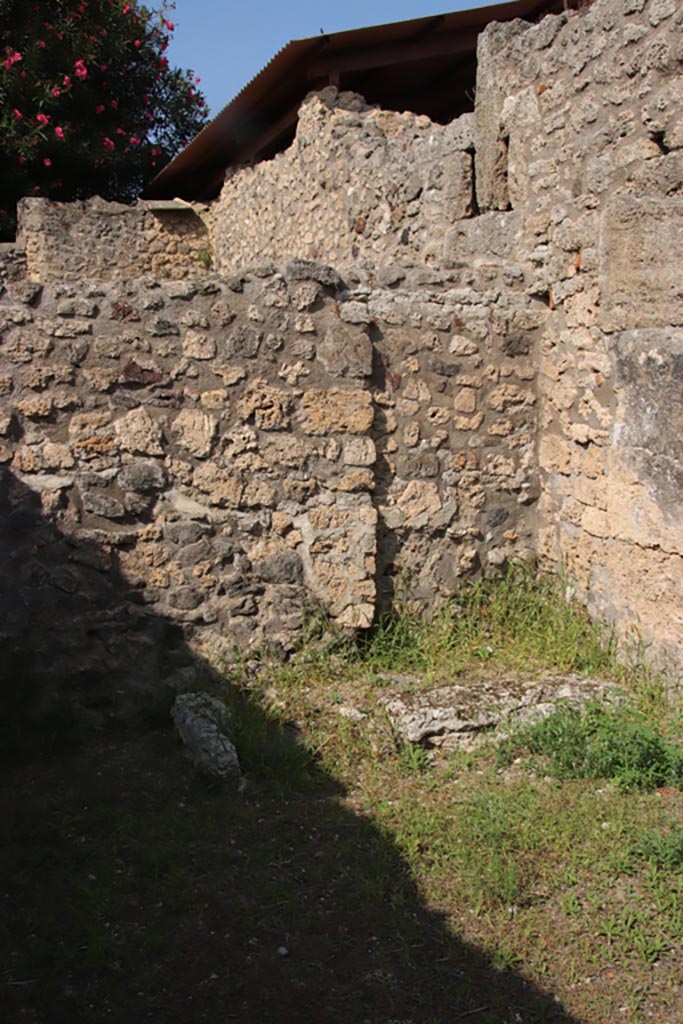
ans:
x=464 y=714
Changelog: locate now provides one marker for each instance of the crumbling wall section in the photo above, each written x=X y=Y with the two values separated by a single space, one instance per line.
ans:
x=357 y=184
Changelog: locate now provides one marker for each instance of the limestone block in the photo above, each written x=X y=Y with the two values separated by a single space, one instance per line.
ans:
x=101 y=379
x=231 y=374
x=360 y=480
x=305 y=296
x=257 y=493
x=554 y=454
x=463 y=716
x=195 y=431
x=268 y=407
x=216 y=399
x=337 y=550
x=354 y=312
x=461 y=346
x=35 y=408
x=493 y=75
x=223 y=488
x=465 y=400
x=137 y=432
x=331 y=409
x=641 y=590
x=346 y=351
x=359 y=451
x=649 y=415
x=634 y=514
x=641 y=262
x=418 y=502
x=199 y=346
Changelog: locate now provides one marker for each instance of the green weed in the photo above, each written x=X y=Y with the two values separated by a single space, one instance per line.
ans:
x=663 y=848
x=204 y=258
x=520 y=619
x=414 y=758
x=616 y=743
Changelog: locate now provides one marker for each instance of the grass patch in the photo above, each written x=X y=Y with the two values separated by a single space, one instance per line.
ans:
x=615 y=743
x=519 y=619
x=359 y=878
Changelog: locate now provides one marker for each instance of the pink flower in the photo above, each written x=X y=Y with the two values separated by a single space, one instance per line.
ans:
x=126 y=9
x=66 y=81
x=41 y=44
x=134 y=141
x=197 y=80
x=99 y=108
x=42 y=119
x=13 y=57
x=114 y=104
x=169 y=25
x=107 y=143
x=80 y=69
x=103 y=67
x=120 y=131
x=59 y=132
x=18 y=114
x=22 y=159
x=55 y=91
x=47 y=162
x=137 y=44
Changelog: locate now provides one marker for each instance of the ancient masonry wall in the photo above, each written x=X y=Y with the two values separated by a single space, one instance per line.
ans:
x=583 y=118
x=239 y=452
x=357 y=183
x=493 y=370
x=94 y=239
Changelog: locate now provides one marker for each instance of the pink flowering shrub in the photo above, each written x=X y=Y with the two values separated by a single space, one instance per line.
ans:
x=75 y=75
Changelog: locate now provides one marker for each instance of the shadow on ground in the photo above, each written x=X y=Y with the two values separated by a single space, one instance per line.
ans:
x=132 y=891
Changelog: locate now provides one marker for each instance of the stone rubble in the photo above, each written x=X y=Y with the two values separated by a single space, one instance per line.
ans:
x=203 y=724
x=463 y=716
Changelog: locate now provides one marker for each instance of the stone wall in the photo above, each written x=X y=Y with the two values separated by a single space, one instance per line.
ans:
x=99 y=240
x=495 y=374
x=579 y=130
x=240 y=450
x=357 y=184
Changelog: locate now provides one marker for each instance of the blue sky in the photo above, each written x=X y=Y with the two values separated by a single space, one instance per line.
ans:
x=226 y=44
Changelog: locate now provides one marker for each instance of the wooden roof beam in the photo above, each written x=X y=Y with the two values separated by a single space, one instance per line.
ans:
x=267 y=138
x=441 y=45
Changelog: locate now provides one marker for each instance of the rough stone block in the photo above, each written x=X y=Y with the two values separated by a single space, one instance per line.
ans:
x=641 y=262
x=331 y=409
